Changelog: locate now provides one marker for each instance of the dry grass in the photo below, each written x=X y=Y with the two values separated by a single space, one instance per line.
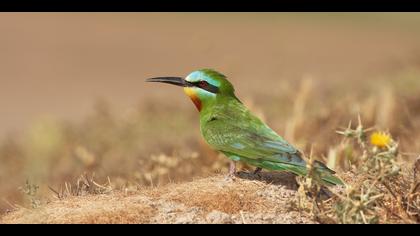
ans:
x=213 y=194
x=205 y=200
x=382 y=189
x=90 y=209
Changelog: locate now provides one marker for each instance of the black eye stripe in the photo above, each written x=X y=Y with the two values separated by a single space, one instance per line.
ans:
x=205 y=85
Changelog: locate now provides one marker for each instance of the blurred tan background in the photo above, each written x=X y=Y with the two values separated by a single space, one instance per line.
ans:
x=59 y=63
x=73 y=97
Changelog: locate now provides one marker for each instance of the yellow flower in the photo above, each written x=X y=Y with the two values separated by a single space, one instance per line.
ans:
x=380 y=139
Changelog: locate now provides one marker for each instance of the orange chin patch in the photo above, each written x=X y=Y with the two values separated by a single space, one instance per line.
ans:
x=191 y=93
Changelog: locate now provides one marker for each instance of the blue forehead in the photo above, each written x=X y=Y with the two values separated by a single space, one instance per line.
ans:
x=201 y=75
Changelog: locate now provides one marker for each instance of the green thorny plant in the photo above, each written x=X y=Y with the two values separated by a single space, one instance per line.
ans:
x=31 y=191
x=310 y=188
x=379 y=191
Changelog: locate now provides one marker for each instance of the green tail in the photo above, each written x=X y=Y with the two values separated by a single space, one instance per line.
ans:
x=331 y=179
x=326 y=174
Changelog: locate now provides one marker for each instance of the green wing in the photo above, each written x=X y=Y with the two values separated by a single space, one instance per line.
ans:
x=242 y=136
x=258 y=143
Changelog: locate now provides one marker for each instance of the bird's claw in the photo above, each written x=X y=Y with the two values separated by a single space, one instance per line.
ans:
x=257 y=173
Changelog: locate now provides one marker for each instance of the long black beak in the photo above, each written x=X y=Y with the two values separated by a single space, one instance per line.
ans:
x=170 y=80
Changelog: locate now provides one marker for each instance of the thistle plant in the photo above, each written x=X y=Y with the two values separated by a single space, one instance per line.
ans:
x=378 y=180
x=379 y=191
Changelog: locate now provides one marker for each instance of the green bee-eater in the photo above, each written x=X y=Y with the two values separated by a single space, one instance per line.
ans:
x=229 y=127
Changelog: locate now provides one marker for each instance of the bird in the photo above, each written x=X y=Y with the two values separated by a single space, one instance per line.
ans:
x=229 y=127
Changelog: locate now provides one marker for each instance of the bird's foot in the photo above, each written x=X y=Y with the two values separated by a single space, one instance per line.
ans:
x=257 y=170
x=257 y=173
x=232 y=172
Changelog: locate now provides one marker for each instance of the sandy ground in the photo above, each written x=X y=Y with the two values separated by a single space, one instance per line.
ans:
x=205 y=200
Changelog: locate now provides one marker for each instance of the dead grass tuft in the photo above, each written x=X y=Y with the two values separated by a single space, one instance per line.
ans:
x=211 y=195
x=91 y=209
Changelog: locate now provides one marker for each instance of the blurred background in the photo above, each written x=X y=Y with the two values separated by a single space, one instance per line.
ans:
x=73 y=98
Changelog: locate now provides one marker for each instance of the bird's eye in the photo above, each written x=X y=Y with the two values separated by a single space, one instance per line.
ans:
x=203 y=84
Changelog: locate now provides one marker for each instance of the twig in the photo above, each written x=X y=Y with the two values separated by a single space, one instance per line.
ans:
x=242 y=217
x=56 y=192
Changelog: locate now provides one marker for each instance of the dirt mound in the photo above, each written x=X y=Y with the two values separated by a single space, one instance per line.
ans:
x=206 y=200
